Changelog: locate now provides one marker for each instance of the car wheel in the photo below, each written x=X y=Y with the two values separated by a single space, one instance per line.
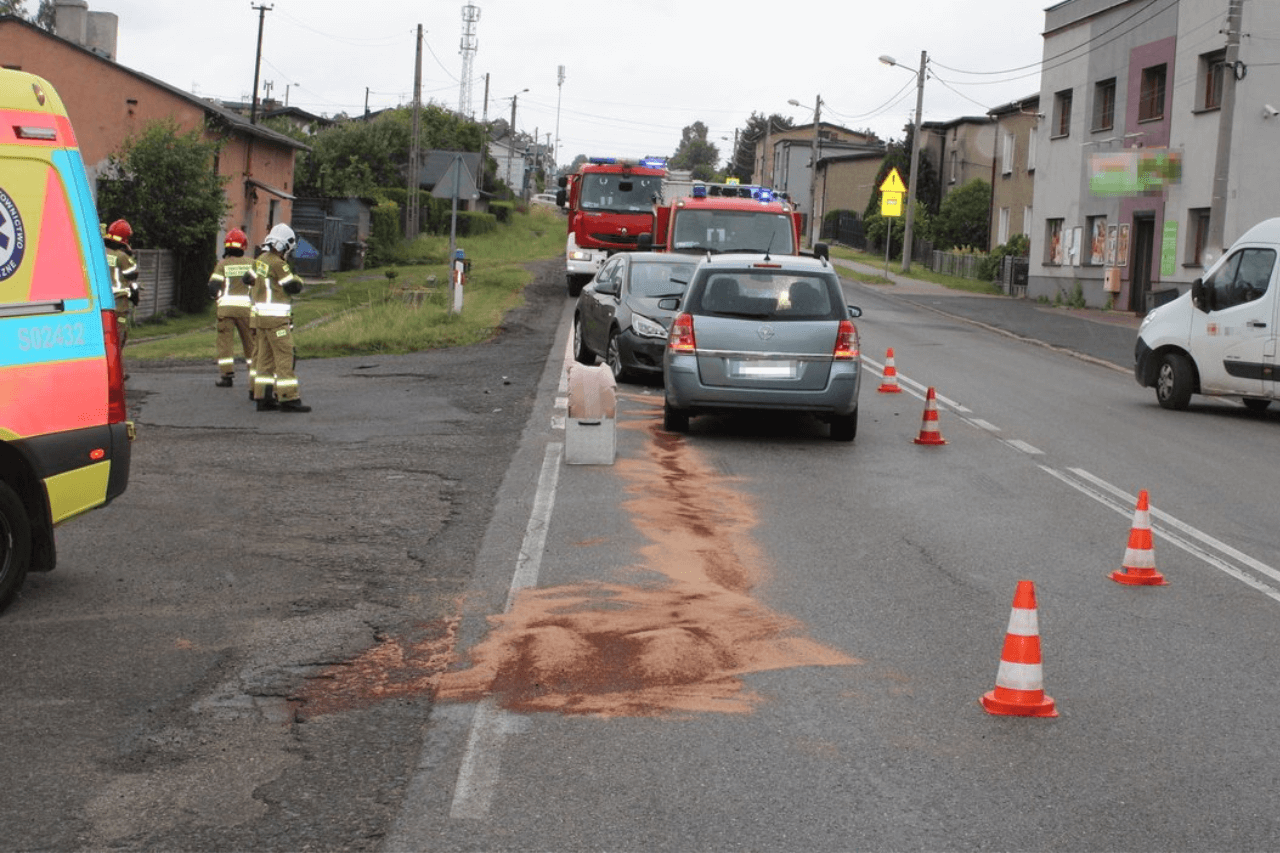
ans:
x=1174 y=381
x=613 y=358
x=576 y=283
x=1256 y=404
x=673 y=419
x=581 y=352
x=15 y=544
x=844 y=427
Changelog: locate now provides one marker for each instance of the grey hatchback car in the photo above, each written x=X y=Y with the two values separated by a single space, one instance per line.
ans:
x=760 y=333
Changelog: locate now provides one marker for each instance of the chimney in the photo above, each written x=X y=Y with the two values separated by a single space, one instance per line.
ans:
x=95 y=31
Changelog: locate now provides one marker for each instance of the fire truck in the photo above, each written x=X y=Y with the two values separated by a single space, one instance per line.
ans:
x=610 y=203
x=728 y=218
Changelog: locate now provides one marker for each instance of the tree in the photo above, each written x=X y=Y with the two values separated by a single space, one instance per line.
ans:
x=13 y=7
x=897 y=155
x=744 y=156
x=45 y=15
x=695 y=153
x=165 y=184
x=964 y=218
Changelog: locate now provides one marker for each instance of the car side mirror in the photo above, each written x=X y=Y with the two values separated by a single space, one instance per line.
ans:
x=854 y=312
x=822 y=250
x=669 y=303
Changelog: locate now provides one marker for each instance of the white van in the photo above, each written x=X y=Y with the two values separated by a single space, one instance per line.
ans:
x=1219 y=339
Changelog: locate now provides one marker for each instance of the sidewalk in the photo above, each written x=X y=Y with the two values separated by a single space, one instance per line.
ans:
x=1093 y=333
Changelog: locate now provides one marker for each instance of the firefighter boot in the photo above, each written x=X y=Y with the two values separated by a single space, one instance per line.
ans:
x=268 y=402
x=293 y=406
x=226 y=380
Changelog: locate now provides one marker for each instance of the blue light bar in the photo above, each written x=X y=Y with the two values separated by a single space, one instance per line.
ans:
x=602 y=161
x=699 y=190
x=654 y=162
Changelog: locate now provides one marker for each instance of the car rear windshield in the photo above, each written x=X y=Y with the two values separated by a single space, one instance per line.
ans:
x=777 y=295
x=660 y=279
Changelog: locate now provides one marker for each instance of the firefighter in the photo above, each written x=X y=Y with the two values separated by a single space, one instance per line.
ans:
x=124 y=274
x=227 y=285
x=275 y=385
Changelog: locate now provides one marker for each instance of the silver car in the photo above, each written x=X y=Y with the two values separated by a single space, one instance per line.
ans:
x=761 y=333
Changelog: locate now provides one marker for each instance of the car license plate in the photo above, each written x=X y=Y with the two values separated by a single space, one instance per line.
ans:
x=764 y=369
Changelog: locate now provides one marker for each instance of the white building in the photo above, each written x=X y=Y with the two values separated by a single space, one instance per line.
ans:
x=1132 y=98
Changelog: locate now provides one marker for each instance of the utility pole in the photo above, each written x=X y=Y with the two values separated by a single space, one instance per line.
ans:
x=813 y=174
x=555 y=146
x=915 y=165
x=412 y=214
x=1232 y=70
x=257 y=63
x=484 y=135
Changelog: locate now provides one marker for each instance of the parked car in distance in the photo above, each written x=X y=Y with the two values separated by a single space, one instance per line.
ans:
x=759 y=333
x=618 y=317
x=544 y=199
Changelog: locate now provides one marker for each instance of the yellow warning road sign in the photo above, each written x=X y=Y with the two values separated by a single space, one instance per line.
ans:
x=893 y=183
x=891 y=203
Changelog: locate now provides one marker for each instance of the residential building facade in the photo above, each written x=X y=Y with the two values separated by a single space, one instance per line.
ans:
x=1013 y=170
x=1128 y=152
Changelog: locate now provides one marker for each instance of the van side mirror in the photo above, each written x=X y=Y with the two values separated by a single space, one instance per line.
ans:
x=854 y=312
x=1197 y=295
x=822 y=250
x=561 y=197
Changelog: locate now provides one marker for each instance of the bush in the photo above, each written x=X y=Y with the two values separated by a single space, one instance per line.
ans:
x=1018 y=247
x=384 y=233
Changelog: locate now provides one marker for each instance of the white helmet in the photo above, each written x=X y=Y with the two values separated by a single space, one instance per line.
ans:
x=281 y=238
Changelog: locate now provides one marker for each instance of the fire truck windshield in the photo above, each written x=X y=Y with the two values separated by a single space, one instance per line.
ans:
x=621 y=193
x=733 y=231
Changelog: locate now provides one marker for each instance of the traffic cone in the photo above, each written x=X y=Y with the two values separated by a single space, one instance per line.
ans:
x=929 y=428
x=1019 y=690
x=890 y=383
x=1139 y=567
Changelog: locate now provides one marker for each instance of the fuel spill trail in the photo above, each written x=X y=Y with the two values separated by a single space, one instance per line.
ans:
x=679 y=645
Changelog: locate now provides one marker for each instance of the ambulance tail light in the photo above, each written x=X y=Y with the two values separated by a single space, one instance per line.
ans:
x=846 y=342
x=681 y=339
x=117 y=412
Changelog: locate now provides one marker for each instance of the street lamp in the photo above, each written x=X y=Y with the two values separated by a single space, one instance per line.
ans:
x=915 y=156
x=813 y=169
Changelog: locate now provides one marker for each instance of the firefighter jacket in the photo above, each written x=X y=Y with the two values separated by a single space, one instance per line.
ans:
x=273 y=287
x=124 y=275
x=227 y=285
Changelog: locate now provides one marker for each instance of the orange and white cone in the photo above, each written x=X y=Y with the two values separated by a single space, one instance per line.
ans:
x=929 y=433
x=1019 y=690
x=890 y=383
x=1139 y=567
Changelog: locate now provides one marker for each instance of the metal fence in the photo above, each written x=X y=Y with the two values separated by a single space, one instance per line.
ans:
x=157 y=276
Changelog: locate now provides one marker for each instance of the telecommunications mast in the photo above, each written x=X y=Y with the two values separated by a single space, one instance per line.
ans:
x=470 y=15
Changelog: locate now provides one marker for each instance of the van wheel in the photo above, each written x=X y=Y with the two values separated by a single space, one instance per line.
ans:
x=15 y=544
x=1174 y=381
x=1257 y=405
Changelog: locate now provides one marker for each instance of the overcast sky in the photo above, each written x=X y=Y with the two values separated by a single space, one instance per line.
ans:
x=636 y=73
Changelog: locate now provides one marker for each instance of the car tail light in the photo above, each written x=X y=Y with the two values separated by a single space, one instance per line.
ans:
x=681 y=338
x=846 y=342
x=117 y=412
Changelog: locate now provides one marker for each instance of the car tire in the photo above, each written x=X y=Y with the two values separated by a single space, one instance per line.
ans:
x=613 y=358
x=1175 y=378
x=575 y=283
x=15 y=544
x=581 y=352
x=673 y=419
x=844 y=427
x=1257 y=405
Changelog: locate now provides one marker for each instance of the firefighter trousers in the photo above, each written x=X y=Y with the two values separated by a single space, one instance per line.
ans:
x=273 y=360
x=231 y=326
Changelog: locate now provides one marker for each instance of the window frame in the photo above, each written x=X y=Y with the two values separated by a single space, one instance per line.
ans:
x=1153 y=92
x=1062 y=104
x=1104 y=105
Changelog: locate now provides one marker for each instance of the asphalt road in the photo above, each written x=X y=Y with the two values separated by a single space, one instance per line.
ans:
x=241 y=652
x=189 y=677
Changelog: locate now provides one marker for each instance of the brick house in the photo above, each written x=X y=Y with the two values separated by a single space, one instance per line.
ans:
x=109 y=102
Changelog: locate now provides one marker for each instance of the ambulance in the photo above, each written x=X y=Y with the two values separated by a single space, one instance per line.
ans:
x=64 y=433
x=1220 y=338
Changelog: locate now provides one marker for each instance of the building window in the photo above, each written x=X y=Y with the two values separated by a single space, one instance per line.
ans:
x=1210 y=88
x=1062 y=113
x=1002 y=227
x=1151 y=96
x=1198 y=226
x=955 y=166
x=1006 y=154
x=1055 y=251
x=1026 y=220
x=1031 y=153
x=1104 y=105
x=1096 y=251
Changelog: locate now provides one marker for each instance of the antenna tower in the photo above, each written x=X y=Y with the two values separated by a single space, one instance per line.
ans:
x=470 y=15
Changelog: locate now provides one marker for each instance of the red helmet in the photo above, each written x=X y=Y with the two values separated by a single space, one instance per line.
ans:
x=119 y=231
x=235 y=239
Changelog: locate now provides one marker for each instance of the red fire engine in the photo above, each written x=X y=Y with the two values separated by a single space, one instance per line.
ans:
x=728 y=218
x=610 y=203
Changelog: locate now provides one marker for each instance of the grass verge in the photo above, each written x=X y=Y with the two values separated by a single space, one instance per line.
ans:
x=918 y=273
x=394 y=309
